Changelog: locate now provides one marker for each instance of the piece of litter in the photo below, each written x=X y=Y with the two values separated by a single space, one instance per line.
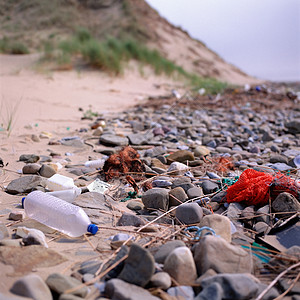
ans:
x=98 y=186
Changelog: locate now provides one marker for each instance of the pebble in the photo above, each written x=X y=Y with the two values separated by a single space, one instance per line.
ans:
x=29 y=158
x=209 y=187
x=157 y=198
x=189 y=213
x=220 y=224
x=25 y=184
x=182 y=292
x=177 y=196
x=3 y=231
x=194 y=192
x=181 y=266
x=217 y=254
x=286 y=202
x=121 y=290
x=32 y=286
x=176 y=168
x=89 y=267
x=60 y=283
x=139 y=266
x=201 y=151
x=17 y=216
x=47 y=171
x=181 y=156
x=113 y=140
x=166 y=249
x=31 y=168
x=31 y=236
x=128 y=219
x=278 y=159
x=135 y=205
x=161 y=280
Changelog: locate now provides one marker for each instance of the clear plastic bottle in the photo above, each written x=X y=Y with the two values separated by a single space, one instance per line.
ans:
x=58 y=214
x=66 y=195
x=97 y=164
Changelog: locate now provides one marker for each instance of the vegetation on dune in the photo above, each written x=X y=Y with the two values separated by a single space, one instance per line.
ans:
x=9 y=46
x=111 y=55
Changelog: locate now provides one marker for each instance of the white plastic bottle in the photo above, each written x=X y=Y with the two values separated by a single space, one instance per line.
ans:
x=66 y=195
x=97 y=164
x=58 y=214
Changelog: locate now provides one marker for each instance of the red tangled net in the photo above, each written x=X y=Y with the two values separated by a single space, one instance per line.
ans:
x=255 y=188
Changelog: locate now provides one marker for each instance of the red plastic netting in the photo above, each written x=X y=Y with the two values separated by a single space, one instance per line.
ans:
x=255 y=188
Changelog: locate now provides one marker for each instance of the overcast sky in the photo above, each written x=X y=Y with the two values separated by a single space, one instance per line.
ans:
x=261 y=37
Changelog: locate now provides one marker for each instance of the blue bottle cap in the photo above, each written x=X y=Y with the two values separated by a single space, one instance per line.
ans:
x=23 y=199
x=92 y=228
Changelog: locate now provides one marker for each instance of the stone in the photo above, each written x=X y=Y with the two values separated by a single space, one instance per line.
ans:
x=32 y=286
x=24 y=259
x=278 y=159
x=161 y=280
x=189 y=213
x=181 y=266
x=220 y=224
x=29 y=158
x=181 y=156
x=135 y=205
x=31 y=236
x=219 y=197
x=139 y=266
x=181 y=292
x=213 y=291
x=260 y=227
x=68 y=297
x=25 y=184
x=293 y=126
x=113 y=140
x=47 y=171
x=209 y=187
x=31 y=168
x=234 y=210
x=3 y=231
x=156 y=163
x=270 y=295
x=195 y=192
x=268 y=136
x=10 y=297
x=139 y=138
x=17 y=215
x=128 y=219
x=11 y=243
x=177 y=196
x=184 y=182
x=121 y=290
x=89 y=267
x=285 y=202
x=262 y=214
x=176 y=168
x=201 y=151
x=166 y=249
x=157 y=198
x=234 y=286
x=123 y=251
x=60 y=283
x=217 y=254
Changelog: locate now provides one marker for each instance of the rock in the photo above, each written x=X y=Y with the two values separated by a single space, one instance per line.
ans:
x=158 y=131
x=217 y=254
x=128 y=219
x=31 y=168
x=270 y=295
x=17 y=216
x=89 y=267
x=220 y=224
x=278 y=159
x=139 y=138
x=135 y=205
x=263 y=214
x=219 y=197
x=184 y=182
x=213 y=291
x=234 y=286
x=139 y=266
x=11 y=243
x=31 y=236
x=182 y=292
x=189 y=213
x=161 y=280
x=25 y=184
x=195 y=192
x=201 y=151
x=285 y=202
x=181 y=156
x=113 y=140
x=268 y=136
x=234 y=210
x=177 y=168
x=121 y=290
x=293 y=126
x=60 y=283
x=181 y=266
x=47 y=171
x=209 y=187
x=260 y=227
x=157 y=198
x=166 y=249
x=29 y=158
x=156 y=163
x=32 y=286
x=9 y=297
x=3 y=231
x=68 y=297
x=177 y=196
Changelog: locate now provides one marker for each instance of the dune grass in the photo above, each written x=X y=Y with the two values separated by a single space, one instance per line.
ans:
x=9 y=46
x=111 y=56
